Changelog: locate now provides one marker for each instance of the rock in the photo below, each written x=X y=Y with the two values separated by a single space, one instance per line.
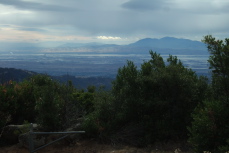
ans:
x=76 y=127
x=11 y=133
x=24 y=140
x=73 y=138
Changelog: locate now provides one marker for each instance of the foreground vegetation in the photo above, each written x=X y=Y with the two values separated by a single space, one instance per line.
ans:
x=160 y=101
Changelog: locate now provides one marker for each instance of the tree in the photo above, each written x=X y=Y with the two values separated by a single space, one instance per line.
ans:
x=158 y=98
x=210 y=126
x=209 y=130
x=169 y=93
x=126 y=91
x=219 y=63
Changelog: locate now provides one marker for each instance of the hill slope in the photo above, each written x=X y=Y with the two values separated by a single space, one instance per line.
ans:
x=13 y=74
x=18 y=75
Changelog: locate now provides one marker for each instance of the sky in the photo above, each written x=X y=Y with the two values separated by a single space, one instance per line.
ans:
x=111 y=21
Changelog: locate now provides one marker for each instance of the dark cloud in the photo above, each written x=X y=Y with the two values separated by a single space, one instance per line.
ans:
x=31 y=29
x=134 y=18
x=25 y=5
x=147 y=4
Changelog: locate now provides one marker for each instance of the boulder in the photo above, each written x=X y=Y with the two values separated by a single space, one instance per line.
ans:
x=11 y=133
x=24 y=140
x=73 y=138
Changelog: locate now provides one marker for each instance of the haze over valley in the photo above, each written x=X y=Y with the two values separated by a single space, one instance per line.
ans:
x=96 y=59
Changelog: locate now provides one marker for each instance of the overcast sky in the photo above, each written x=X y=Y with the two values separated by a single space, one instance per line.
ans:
x=111 y=21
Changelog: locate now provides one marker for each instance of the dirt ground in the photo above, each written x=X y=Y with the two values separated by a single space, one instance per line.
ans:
x=87 y=147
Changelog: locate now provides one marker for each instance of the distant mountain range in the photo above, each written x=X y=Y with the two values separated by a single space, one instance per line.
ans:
x=163 y=45
x=170 y=43
x=59 y=59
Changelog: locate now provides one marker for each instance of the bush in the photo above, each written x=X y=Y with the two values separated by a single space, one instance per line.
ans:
x=42 y=100
x=101 y=120
x=8 y=102
x=210 y=128
x=49 y=102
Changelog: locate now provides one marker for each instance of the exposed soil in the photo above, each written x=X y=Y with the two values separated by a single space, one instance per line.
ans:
x=88 y=147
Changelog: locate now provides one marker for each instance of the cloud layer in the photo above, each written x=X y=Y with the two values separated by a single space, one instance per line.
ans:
x=108 y=20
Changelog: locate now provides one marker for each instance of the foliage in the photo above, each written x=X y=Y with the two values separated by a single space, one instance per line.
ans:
x=48 y=102
x=23 y=129
x=102 y=115
x=17 y=102
x=7 y=102
x=173 y=92
x=158 y=98
x=155 y=102
x=39 y=99
x=219 y=63
x=25 y=103
x=210 y=127
x=56 y=105
x=85 y=99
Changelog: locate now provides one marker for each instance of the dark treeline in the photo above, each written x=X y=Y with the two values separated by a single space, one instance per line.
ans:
x=18 y=75
x=160 y=101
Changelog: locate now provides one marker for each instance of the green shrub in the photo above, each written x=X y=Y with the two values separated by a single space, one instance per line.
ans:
x=49 y=102
x=101 y=120
x=210 y=128
x=43 y=100
x=8 y=102
x=57 y=106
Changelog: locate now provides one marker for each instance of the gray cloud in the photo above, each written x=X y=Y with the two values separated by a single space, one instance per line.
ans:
x=30 y=29
x=185 y=6
x=147 y=4
x=130 y=18
x=26 y=5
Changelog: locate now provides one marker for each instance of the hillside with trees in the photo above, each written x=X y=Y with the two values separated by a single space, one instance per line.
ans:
x=19 y=75
x=159 y=101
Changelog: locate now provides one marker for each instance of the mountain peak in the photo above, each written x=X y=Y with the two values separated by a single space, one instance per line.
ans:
x=169 y=38
x=169 y=42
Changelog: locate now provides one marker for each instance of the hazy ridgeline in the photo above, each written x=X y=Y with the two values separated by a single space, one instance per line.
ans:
x=93 y=59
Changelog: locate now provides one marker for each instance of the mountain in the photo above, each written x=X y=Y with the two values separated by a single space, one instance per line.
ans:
x=166 y=42
x=169 y=42
x=166 y=45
